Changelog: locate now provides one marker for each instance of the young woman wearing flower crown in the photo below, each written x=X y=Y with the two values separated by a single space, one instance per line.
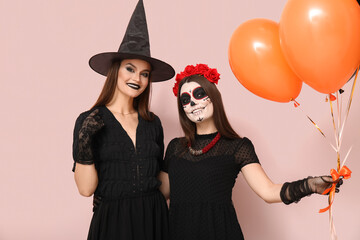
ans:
x=201 y=168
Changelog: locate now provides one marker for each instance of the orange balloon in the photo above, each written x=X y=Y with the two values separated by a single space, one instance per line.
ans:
x=321 y=41
x=257 y=61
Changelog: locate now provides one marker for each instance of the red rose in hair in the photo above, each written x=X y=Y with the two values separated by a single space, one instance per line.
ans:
x=201 y=68
x=189 y=70
x=212 y=75
x=179 y=77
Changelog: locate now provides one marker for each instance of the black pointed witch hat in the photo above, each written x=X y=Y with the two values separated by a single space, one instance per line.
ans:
x=135 y=45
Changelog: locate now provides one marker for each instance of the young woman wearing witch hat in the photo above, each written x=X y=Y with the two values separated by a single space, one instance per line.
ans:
x=200 y=169
x=118 y=144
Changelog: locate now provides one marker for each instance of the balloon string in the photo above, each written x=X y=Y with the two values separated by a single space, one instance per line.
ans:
x=316 y=126
x=336 y=136
x=297 y=105
x=341 y=109
x=332 y=225
x=346 y=157
x=333 y=121
x=338 y=102
x=332 y=195
x=349 y=105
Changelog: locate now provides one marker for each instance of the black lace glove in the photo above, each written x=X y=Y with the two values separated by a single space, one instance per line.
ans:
x=91 y=125
x=294 y=191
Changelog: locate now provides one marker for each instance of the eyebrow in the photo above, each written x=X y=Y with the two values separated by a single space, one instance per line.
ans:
x=136 y=67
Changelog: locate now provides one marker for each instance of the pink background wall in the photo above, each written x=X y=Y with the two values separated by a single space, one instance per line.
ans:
x=46 y=82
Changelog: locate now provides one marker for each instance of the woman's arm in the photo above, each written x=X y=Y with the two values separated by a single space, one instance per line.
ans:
x=261 y=184
x=86 y=179
x=288 y=192
x=165 y=184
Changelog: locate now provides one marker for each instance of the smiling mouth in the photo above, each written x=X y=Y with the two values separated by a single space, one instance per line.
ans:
x=133 y=86
x=198 y=111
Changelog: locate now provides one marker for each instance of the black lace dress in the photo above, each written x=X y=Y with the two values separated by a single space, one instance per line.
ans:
x=201 y=187
x=128 y=203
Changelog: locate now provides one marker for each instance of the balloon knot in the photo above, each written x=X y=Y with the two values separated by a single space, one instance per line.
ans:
x=296 y=104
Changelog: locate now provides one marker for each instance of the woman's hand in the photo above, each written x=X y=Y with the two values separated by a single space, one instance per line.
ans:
x=165 y=184
x=320 y=184
x=294 y=191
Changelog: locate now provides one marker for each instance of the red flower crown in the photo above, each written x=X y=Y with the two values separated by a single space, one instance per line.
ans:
x=210 y=74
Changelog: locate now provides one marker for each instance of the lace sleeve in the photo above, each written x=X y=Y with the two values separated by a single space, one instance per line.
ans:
x=75 y=147
x=169 y=155
x=245 y=153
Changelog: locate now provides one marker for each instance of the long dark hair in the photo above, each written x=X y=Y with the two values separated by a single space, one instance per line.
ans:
x=221 y=122
x=141 y=102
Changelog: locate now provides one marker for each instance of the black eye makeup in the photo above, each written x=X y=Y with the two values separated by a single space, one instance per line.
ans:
x=185 y=98
x=130 y=69
x=145 y=74
x=199 y=93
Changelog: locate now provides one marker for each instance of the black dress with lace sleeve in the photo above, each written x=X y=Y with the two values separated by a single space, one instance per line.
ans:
x=201 y=187
x=128 y=202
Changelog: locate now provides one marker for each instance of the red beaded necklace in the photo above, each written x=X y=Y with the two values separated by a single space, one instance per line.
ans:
x=206 y=148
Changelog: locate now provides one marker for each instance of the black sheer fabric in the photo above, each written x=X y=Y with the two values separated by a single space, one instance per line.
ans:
x=201 y=187
x=90 y=126
x=127 y=203
x=295 y=191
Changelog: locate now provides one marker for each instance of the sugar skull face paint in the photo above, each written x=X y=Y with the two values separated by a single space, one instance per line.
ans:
x=196 y=103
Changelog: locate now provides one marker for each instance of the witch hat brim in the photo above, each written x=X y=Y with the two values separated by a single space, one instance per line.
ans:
x=135 y=45
x=160 y=71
